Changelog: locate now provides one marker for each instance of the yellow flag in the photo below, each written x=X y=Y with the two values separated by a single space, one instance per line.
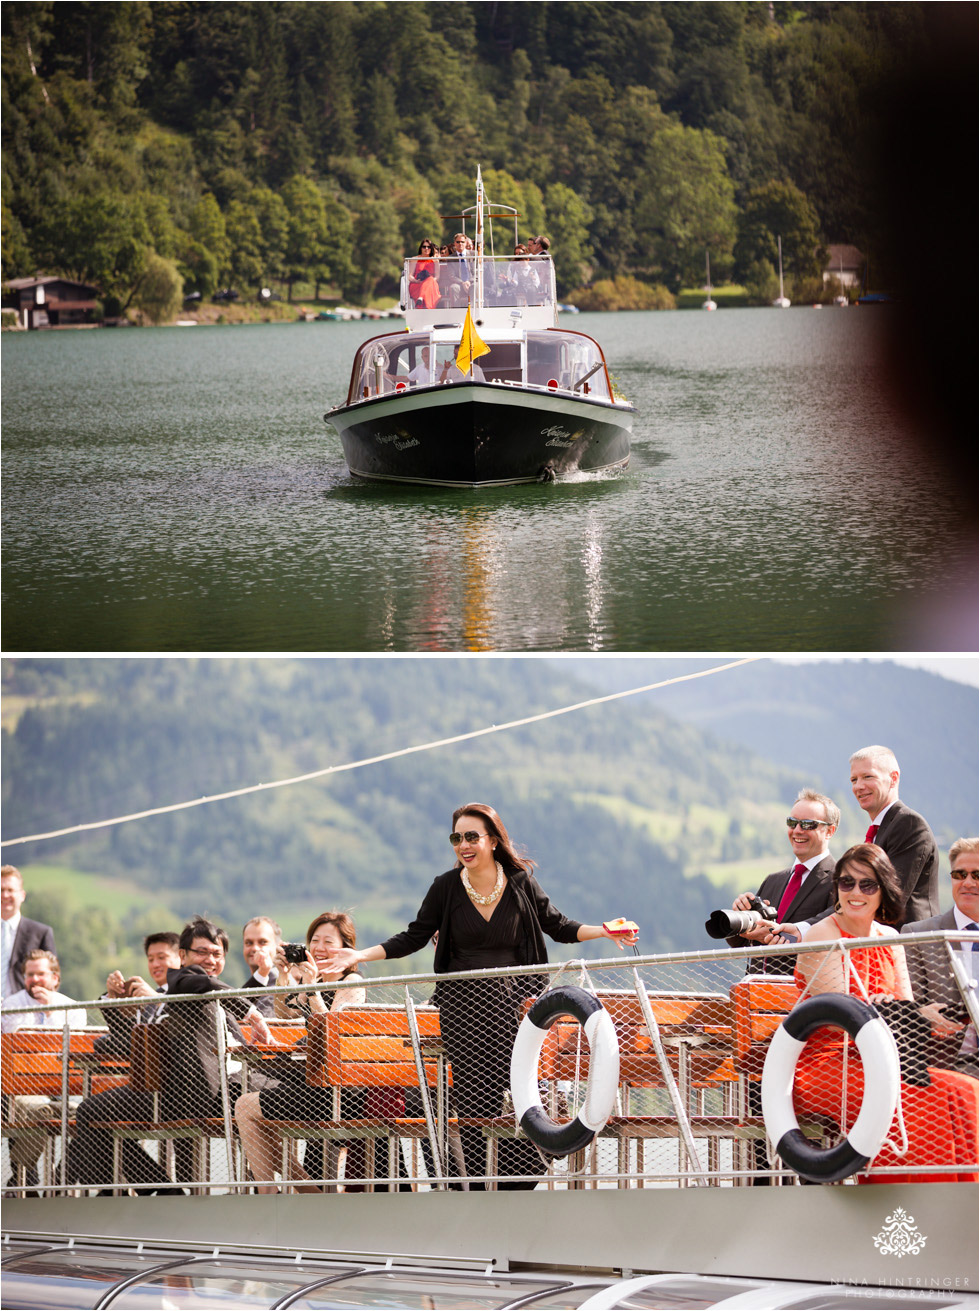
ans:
x=470 y=346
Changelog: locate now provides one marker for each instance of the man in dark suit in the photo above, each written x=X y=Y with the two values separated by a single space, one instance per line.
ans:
x=191 y=1073
x=162 y=954
x=802 y=892
x=954 y=1043
x=20 y=936
x=904 y=836
x=261 y=937
x=89 y=1158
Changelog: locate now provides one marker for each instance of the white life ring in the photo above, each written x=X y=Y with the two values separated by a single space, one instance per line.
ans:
x=882 y=1075
x=603 y=1081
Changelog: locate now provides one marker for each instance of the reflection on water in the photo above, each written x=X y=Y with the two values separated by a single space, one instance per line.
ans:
x=177 y=490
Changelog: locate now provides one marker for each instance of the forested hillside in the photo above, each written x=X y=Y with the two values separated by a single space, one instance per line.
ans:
x=626 y=809
x=249 y=145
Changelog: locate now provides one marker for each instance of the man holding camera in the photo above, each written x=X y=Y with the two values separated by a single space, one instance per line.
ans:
x=800 y=893
x=261 y=937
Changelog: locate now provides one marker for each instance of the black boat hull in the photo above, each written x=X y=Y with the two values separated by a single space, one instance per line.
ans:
x=479 y=435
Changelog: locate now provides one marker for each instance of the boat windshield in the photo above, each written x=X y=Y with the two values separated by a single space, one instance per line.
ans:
x=553 y=360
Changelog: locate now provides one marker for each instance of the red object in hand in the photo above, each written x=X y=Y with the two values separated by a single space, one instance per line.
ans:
x=621 y=926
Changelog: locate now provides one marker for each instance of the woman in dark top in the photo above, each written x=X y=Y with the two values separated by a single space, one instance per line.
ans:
x=488 y=911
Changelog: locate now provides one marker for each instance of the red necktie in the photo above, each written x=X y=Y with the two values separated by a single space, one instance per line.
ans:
x=792 y=888
x=870 y=835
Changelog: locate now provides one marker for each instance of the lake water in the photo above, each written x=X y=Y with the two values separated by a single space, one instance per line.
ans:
x=176 y=489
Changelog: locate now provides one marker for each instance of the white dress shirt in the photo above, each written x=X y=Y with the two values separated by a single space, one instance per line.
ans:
x=42 y=1017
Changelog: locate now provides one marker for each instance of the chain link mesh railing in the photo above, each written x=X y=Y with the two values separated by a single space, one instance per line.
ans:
x=404 y=1082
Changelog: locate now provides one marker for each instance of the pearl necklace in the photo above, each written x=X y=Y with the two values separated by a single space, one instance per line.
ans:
x=492 y=896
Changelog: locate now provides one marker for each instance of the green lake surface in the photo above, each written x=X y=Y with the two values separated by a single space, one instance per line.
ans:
x=176 y=489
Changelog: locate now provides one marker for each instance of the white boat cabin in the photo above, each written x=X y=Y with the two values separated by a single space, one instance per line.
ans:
x=514 y=311
x=549 y=359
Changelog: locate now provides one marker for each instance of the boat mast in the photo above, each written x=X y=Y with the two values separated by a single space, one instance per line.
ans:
x=478 y=271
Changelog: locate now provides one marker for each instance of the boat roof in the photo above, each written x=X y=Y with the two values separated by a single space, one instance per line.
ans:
x=51 y=1270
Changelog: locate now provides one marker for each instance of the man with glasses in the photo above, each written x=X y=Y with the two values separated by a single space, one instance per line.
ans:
x=954 y=1042
x=804 y=891
x=193 y=1086
x=904 y=836
x=191 y=1070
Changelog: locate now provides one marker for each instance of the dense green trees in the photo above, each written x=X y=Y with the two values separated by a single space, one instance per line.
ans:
x=285 y=142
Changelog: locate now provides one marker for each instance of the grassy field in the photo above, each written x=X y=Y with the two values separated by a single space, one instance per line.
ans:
x=118 y=897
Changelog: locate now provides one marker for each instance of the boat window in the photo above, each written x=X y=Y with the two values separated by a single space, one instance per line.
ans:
x=238 y=1283
x=384 y=363
x=565 y=1299
x=436 y=1291
x=571 y=360
x=24 y=1247
x=501 y=364
x=691 y=1293
x=73 y=1277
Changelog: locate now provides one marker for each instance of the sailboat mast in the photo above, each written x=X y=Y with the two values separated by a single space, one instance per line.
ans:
x=779 y=242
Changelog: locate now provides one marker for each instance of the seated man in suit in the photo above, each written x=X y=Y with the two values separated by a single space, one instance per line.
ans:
x=42 y=975
x=903 y=835
x=192 y=1081
x=802 y=892
x=19 y=935
x=161 y=955
x=954 y=1042
x=89 y=1158
x=261 y=937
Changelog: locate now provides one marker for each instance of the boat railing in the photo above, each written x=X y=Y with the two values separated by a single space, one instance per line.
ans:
x=441 y=290
x=409 y=1087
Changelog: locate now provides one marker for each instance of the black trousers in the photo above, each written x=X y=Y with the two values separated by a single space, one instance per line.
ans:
x=89 y=1160
x=479 y=1019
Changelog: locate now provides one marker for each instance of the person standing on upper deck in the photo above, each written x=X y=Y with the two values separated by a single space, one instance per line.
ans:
x=902 y=834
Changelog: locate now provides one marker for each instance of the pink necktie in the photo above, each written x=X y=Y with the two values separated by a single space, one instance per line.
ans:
x=870 y=835
x=792 y=888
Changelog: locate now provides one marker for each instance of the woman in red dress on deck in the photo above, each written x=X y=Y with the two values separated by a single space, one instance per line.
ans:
x=424 y=284
x=940 y=1120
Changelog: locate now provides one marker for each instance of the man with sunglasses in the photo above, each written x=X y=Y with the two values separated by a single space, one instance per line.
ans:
x=954 y=1043
x=801 y=893
x=903 y=835
x=456 y=273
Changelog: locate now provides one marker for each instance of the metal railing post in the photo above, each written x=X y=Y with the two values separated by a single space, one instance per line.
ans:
x=413 y=1027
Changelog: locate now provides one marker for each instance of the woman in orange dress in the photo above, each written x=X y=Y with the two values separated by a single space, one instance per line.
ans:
x=424 y=284
x=941 y=1119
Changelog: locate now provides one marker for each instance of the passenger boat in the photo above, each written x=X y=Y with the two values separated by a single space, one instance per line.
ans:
x=484 y=389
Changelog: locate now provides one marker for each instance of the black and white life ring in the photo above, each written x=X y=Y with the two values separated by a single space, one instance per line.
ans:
x=879 y=1057
x=600 y=1090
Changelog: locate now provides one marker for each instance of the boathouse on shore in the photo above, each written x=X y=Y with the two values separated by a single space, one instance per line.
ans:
x=50 y=302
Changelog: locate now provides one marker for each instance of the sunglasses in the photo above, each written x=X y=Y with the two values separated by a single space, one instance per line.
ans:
x=847 y=882
x=470 y=836
x=963 y=874
x=805 y=824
